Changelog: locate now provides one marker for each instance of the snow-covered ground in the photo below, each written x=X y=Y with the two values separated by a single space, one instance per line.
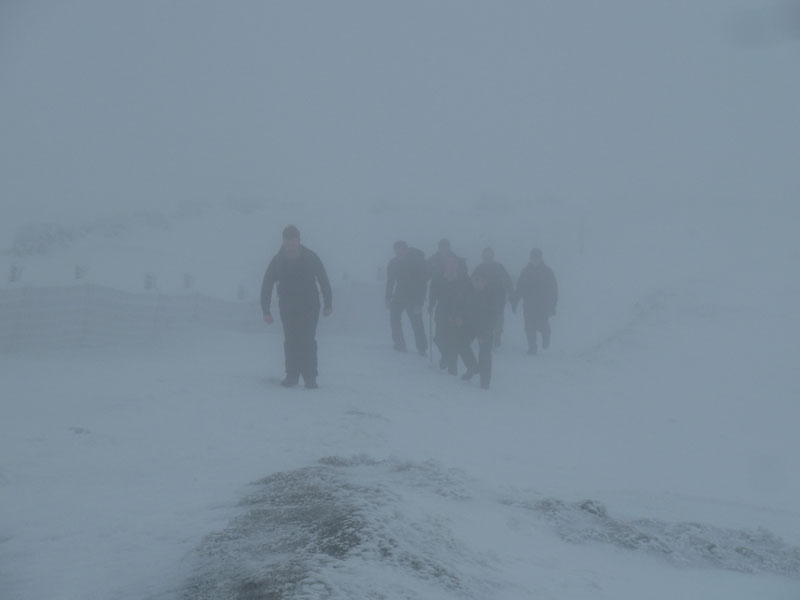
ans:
x=651 y=452
x=153 y=151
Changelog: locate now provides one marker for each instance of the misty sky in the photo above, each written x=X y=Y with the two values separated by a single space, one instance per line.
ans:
x=109 y=104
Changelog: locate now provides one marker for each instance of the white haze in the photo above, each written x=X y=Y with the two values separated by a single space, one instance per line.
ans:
x=109 y=105
x=650 y=148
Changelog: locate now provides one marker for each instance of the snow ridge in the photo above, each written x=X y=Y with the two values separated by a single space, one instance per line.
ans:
x=325 y=531
x=682 y=544
x=365 y=528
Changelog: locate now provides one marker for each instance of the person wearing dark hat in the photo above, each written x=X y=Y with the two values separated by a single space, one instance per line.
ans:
x=406 y=281
x=538 y=290
x=301 y=277
x=496 y=276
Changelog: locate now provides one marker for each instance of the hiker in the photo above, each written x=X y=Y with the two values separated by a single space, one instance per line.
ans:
x=538 y=290
x=406 y=281
x=301 y=277
x=497 y=276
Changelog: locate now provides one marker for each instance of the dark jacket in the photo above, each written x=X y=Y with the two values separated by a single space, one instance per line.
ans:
x=297 y=281
x=481 y=309
x=451 y=297
x=407 y=278
x=538 y=290
x=436 y=263
x=495 y=274
x=436 y=273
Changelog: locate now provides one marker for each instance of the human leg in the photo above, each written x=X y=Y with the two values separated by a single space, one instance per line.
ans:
x=544 y=327
x=307 y=353
x=291 y=348
x=395 y=320
x=530 y=329
x=420 y=338
x=485 y=361
x=467 y=355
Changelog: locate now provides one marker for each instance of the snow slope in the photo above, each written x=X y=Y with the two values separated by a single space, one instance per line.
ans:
x=650 y=453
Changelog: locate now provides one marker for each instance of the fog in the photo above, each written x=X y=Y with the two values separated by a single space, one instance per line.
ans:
x=107 y=106
x=659 y=136
x=151 y=153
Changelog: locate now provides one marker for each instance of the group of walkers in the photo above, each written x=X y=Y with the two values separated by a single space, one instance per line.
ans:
x=464 y=307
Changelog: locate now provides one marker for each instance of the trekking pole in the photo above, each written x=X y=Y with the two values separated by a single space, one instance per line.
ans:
x=430 y=335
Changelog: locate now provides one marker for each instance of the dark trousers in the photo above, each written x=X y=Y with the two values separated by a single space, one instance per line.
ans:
x=415 y=315
x=483 y=364
x=300 y=344
x=447 y=340
x=535 y=322
x=498 y=327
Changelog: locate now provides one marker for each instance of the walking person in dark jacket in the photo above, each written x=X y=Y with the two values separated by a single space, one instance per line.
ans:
x=450 y=293
x=436 y=270
x=436 y=261
x=478 y=322
x=300 y=276
x=496 y=276
x=538 y=290
x=406 y=282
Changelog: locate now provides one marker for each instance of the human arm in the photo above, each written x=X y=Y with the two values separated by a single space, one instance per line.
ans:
x=554 y=295
x=324 y=286
x=516 y=294
x=391 y=281
x=270 y=277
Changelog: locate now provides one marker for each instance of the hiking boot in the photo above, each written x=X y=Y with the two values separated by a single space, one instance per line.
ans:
x=290 y=381
x=311 y=383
